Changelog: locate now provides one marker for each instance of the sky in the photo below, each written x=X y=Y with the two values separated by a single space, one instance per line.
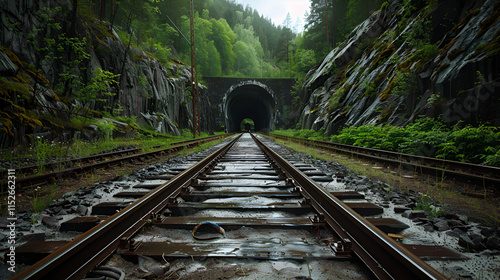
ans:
x=276 y=10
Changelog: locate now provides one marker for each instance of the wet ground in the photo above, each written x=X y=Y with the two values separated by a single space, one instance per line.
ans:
x=480 y=265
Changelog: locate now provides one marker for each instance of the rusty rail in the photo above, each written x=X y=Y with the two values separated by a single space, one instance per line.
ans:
x=34 y=180
x=75 y=259
x=27 y=170
x=481 y=175
x=386 y=258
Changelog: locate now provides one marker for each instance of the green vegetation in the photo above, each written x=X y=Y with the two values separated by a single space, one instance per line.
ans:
x=231 y=40
x=425 y=137
x=97 y=90
x=42 y=149
x=343 y=17
x=104 y=126
x=419 y=35
x=247 y=122
x=337 y=98
x=43 y=152
x=485 y=209
x=38 y=202
x=303 y=133
x=426 y=204
x=404 y=84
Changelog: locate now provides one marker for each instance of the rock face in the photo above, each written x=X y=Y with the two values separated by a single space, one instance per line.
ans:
x=148 y=89
x=406 y=61
x=154 y=93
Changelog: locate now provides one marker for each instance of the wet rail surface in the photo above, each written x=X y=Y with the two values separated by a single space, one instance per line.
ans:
x=243 y=202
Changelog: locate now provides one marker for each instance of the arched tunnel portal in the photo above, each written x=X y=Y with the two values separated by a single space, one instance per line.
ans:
x=249 y=99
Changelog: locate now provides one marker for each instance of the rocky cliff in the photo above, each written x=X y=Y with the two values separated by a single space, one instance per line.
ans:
x=411 y=58
x=44 y=39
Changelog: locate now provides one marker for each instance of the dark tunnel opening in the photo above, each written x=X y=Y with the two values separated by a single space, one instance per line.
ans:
x=250 y=101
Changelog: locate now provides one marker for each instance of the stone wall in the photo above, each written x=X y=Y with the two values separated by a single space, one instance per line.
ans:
x=218 y=86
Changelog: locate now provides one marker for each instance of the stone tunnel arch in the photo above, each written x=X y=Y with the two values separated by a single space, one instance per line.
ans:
x=249 y=99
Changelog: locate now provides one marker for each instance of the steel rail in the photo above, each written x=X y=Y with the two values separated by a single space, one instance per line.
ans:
x=73 y=161
x=483 y=175
x=29 y=181
x=75 y=259
x=202 y=140
x=101 y=156
x=386 y=258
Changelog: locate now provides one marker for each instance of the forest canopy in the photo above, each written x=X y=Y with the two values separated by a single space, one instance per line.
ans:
x=232 y=40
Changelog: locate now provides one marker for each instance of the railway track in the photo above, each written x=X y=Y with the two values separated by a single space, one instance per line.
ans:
x=27 y=176
x=244 y=201
x=64 y=164
x=465 y=173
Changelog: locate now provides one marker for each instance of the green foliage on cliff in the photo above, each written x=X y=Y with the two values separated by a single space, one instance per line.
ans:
x=425 y=137
x=303 y=133
x=429 y=137
x=404 y=84
x=99 y=86
x=343 y=17
x=15 y=99
x=337 y=98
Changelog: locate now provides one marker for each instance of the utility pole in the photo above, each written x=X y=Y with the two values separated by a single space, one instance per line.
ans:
x=290 y=59
x=194 y=80
x=261 y=60
x=327 y=39
x=102 y=9
x=333 y=31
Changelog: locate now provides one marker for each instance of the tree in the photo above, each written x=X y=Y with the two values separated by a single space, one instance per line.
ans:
x=297 y=25
x=303 y=60
x=99 y=88
x=247 y=63
x=357 y=11
x=287 y=23
x=219 y=24
x=213 y=62
x=344 y=16
x=223 y=38
x=283 y=44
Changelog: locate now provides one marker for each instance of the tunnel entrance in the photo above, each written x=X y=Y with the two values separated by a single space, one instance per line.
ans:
x=249 y=100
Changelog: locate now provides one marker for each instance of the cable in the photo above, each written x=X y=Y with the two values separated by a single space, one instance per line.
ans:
x=107 y=271
x=214 y=225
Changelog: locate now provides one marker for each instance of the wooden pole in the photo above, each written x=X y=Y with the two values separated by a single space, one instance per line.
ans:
x=333 y=37
x=194 y=79
x=327 y=39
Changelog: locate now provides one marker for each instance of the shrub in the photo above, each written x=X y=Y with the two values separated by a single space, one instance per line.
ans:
x=337 y=98
x=105 y=128
x=425 y=137
x=474 y=144
x=494 y=158
x=429 y=137
x=404 y=84
x=303 y=133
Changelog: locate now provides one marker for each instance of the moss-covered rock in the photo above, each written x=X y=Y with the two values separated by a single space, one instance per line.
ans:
x=439 y=49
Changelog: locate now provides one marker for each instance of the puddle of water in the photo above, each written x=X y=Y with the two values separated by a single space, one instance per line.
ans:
x=252 y=200
x=280 y=265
